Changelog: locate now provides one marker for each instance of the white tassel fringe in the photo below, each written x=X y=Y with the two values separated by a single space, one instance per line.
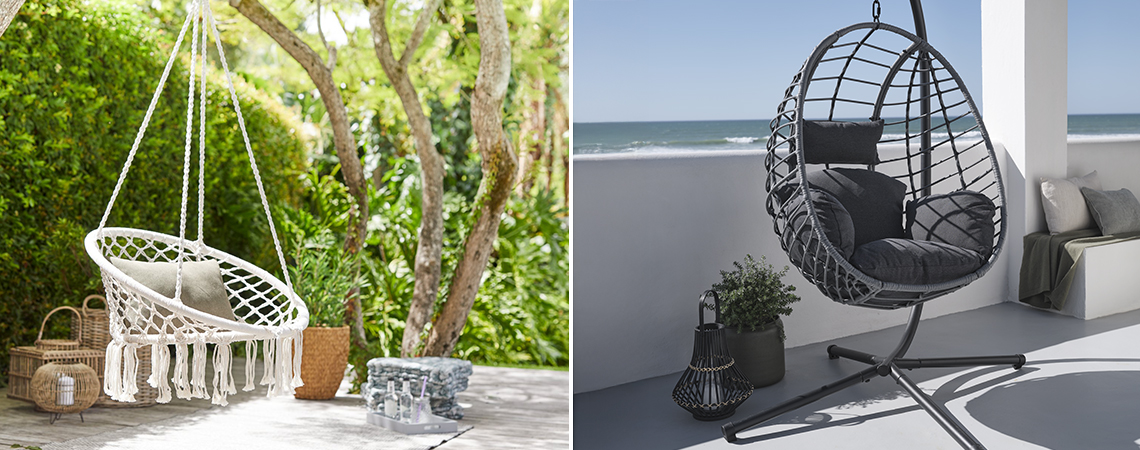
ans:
x=181 y=372
x=250 y=360
x=198 y=376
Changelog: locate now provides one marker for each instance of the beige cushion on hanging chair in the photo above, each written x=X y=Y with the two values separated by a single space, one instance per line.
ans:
x=202 y=287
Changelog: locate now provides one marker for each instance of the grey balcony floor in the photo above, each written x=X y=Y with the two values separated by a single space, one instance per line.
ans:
x=1079 y=390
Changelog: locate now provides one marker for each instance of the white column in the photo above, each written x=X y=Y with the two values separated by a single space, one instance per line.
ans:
x=1025 y=76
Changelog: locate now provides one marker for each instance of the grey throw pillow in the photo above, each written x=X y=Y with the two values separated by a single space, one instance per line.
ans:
x=1064 y=206
x=908 y=261
x=1114 y=211
x=963 y=219
x=202 y=287
x=874 y=200
x=837 y=142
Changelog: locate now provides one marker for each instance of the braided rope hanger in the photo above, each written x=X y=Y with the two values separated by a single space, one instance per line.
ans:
x=204 y=12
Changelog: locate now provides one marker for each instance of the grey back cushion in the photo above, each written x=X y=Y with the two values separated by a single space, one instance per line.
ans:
x=874 y=201
x=1114 y=211
x=964 y=219
x=202 y=287
x=801 y=242
x=837 y=142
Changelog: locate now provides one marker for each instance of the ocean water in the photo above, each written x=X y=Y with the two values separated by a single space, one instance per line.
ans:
x=647 y=137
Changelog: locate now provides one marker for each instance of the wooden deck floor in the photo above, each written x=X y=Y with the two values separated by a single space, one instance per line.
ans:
x=508 y=408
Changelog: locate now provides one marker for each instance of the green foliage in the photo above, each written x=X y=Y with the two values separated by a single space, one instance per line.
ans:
x=75 y=80
x=754 y=294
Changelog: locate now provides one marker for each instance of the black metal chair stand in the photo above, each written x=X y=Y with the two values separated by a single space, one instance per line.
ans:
x=890 y=365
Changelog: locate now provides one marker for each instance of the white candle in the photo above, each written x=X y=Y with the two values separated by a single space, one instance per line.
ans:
x=66 y=391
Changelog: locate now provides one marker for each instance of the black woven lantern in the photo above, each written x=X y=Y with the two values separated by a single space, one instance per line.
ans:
x=712 y=387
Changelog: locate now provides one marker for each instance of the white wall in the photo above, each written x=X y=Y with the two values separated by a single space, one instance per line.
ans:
x=1115 y=160
x=651 y=232
x=1025 y=73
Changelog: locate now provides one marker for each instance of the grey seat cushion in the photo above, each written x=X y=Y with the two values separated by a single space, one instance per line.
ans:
x=874 y=201
x=962 y=219
x=1114 y=211
x=803 y=244
x=907 y=261
x=202 y=287
x=838 y=142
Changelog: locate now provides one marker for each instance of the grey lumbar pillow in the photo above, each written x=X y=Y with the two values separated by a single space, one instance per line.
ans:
x=836 y=142
x=1114 y=211
x=202 y=287
x=1065 y=208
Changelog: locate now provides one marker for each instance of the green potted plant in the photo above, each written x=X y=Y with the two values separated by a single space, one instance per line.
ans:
x=323 y=276
x=752 y=299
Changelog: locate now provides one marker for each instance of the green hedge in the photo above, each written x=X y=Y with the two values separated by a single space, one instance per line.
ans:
x=75 y=80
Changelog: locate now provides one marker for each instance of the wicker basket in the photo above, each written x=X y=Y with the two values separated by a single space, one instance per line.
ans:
x=325 y=353
x=92 y=329
x=26 y=360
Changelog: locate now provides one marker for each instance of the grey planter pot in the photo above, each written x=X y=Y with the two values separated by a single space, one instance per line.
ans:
x=759 y=354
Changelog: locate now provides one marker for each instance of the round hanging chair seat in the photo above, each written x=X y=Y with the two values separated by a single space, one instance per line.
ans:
x=264 y=306
x=882 y=181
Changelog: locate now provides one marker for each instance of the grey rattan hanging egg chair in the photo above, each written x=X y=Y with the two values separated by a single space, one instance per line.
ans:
x=839 y=191
x=836 y=81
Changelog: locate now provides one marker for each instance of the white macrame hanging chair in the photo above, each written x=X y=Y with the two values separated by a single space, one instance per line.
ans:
x=266 y=309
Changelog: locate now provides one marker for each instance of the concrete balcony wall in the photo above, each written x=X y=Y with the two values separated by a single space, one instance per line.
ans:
x=652 y=231
x=1115 y=159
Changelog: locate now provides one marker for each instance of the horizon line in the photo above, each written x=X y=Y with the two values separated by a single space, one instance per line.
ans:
x=769 y=120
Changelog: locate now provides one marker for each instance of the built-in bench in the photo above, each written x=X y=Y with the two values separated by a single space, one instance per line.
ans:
x=1106 y=282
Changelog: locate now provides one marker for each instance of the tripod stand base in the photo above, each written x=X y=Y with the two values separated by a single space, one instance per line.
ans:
x=891 y=366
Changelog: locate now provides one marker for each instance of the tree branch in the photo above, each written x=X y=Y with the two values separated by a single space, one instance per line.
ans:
x=8 y=10
x=418 y=32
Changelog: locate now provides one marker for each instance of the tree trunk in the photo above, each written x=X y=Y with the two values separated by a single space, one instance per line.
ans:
x=429 y=250
x=343 y=140
x=8 y=10
x=499 y=165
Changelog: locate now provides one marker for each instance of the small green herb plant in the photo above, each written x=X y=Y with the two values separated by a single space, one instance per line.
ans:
x=754 y=294
x=323 y=275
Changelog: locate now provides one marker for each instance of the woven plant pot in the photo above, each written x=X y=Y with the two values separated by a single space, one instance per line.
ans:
x=325 y=357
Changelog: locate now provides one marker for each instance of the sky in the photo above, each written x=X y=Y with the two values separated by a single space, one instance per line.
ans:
x=662 y=60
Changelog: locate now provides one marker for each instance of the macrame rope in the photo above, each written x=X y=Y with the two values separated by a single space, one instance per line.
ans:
x=186 y=157
x=298 y=343
x=130 y=372
x=202 y=141
x=223 y=379
x=198 y=377
x=181 y=372
x=248 y=148
x=159 y=365
x=112 y=370
x=250 y=361
x=146 y=121
x=267 y=377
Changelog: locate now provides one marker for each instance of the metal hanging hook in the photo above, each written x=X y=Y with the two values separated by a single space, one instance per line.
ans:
x=876 y=9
